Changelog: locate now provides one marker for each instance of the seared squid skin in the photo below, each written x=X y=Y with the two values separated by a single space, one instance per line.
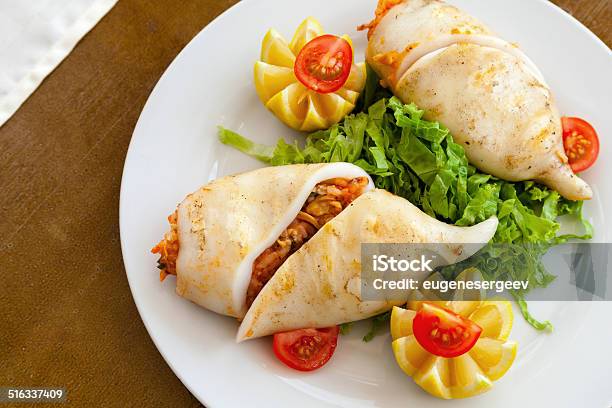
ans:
x=503 y=116
x=223 y=226
x=487 y=93
x=320 y=284
x=408 y=25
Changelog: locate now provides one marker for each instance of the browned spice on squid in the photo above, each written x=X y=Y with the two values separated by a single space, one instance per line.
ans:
x=168 y=249
x=382 y=9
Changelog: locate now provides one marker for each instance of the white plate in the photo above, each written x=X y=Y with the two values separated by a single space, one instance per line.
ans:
x=174 y=150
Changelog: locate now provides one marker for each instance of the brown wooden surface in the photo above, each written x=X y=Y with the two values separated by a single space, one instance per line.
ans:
x=68 y=317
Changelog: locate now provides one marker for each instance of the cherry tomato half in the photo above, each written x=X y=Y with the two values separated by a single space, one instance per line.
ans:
x=443 y=332
x=306 y=349
x=580 y=142
x=324 y=63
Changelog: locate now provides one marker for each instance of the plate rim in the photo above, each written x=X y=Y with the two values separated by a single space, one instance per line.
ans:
x=224 y=15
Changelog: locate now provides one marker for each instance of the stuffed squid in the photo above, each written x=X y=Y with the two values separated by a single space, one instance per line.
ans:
x=490 y=95
x=279 y=247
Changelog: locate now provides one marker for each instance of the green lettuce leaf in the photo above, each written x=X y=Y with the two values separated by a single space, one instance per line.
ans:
x=259 y=151
x=378 y=323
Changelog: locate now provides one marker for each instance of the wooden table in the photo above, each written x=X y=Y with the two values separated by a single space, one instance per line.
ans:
x=68 y=316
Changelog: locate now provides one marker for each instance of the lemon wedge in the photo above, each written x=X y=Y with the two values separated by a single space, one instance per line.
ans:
x=280 y=91
x=434 y=377
x=495 y=317
x=494 y=357
x=409 y=354
x=356 y=79
x=401 y=322
x=315 y=117
x=469 y=374
x=468 y=379
x=276 y=51
x=292 y=104
x=306 y=31
x=271 y=79
x=462 y=307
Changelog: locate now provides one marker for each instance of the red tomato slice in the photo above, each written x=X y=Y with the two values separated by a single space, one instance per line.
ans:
x=306 y=349
x=324 y=63
x=581 y=143
x=443 y=332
